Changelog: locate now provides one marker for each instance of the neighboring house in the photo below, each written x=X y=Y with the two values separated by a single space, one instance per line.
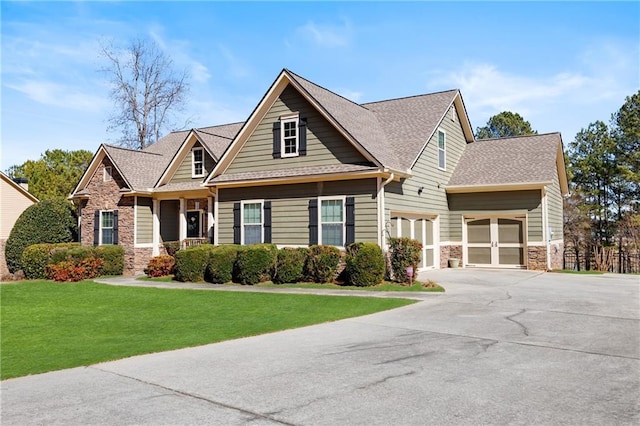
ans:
x=311 y=167
x=14 y=199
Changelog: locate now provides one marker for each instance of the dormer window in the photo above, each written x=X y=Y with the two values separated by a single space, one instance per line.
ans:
x=197 y=162
x=289 y=137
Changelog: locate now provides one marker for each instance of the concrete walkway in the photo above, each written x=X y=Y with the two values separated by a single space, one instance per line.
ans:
x=499 y=347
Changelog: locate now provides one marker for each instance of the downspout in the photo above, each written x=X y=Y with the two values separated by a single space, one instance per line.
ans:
x=382 y=239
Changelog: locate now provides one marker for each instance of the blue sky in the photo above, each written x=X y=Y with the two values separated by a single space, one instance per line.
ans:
x=560 y=65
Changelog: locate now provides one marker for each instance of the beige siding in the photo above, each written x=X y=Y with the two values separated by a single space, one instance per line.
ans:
x=290 y=209
x=403 y=196
x=324 y=144
x=184 y=171
x=494 y=202
x=12 y=204
x=144 y=220
x=554 y=204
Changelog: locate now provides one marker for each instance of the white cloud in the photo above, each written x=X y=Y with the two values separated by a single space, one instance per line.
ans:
x=59 y=95
x=328 y=35
x=236 y=67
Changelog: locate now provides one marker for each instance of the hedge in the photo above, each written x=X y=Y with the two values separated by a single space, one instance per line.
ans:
x=191 y=263
x=219 y=269
x=290 y=265
x=255 y=263
x=322 y=263
x=404 y=252
x=36 y=257
x=365 y=265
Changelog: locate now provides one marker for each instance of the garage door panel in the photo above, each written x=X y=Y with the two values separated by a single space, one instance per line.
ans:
x=479 y=255
x=429 y=226
x=511 y=256
x=510 y=231
x=479 y=231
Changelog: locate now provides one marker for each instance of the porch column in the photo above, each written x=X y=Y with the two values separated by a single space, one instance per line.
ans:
x=210 y=219
x=155 y=230
x=183 y=220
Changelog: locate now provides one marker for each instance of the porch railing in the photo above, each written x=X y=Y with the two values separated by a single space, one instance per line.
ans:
x=190 y=242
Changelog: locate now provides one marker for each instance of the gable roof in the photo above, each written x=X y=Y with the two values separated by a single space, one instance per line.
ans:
x=518 y=161
x=18 y=187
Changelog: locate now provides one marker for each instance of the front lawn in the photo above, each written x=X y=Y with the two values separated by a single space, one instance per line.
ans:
x=47 y=326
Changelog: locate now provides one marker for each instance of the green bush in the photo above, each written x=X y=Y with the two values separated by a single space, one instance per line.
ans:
x=49 y=221
x=290 y=265
x=191 y=263
x=113 y=257
x=36 y=257
x=172 y=247
x=255 y=263
x=404 y=252
x=160 y=266
x=365 y=265
x=322 y=263
x=220 y=266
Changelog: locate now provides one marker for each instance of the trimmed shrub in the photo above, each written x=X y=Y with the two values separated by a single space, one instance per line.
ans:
x=49 y=221
x=172 y=247
x=322 y=263
x=160 y=266
x=221 y=261
x=113 y=257
x=365 y=265
x=404 y=252
x=191 y=263
x=36 y=257
x=255 y=263
x=290 y=265
x=74 y=270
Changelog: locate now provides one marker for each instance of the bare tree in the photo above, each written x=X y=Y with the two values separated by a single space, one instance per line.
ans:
x=145 y=89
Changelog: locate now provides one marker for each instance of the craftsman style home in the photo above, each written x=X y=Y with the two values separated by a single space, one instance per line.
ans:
x=311 y=167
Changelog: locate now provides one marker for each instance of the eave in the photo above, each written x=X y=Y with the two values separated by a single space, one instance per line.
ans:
x=463 y=189
x=302 y=179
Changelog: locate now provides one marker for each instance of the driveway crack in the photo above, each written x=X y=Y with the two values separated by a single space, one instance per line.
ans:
x=524 y=329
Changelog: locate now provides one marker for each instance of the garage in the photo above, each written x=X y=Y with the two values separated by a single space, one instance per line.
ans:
x=495 y=242
x=422 y=228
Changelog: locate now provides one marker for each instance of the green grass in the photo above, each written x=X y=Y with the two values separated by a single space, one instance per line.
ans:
x=47 y=326
x=571 y=271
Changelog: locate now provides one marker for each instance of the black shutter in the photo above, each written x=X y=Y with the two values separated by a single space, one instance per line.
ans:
x=267 y=221
x=276 y=139
x=302 y=136
x=350 y=221
x=313 y=222
x=236 y=223
x=115 y=227
x=96 y=227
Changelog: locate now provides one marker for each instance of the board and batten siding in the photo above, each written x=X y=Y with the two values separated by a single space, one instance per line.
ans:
x=555 y=208
x=184 y=171
x=403 y=196
x=493 y=203
x=325 y=145
x=290 y=209
x=144 y=220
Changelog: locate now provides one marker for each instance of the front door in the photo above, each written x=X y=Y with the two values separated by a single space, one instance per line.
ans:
x=194 y=223
x=495 y=242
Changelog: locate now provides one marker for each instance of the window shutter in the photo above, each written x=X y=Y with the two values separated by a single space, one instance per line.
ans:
x=236 y=223
x=276 y=139
x=302 y=136
x=96 y=227
x=313 y=222
x=350 y=221
x=267 y=221
x=115 y=227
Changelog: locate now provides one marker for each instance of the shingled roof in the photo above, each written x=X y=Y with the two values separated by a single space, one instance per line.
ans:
x=508 y=161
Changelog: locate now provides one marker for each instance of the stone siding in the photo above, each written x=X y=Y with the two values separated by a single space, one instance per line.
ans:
x=557 y=255
x=4 y=269
x=537 y=258
x=450 y=252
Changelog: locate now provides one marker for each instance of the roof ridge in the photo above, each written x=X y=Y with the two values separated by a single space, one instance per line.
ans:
x=517 y=137
x=409 y=97
x=130 y=149
x=324 y=88
x=213 y=134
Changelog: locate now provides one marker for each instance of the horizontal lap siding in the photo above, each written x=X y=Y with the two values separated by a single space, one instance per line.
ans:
x=144 y=220
x=184 y=172
x=554 y=202
x=290 y=209
x=325 y=146
x=493 y=202
x=403 y=196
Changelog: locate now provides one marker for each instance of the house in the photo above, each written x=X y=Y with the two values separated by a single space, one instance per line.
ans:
x=14 y=199
x=312 y=167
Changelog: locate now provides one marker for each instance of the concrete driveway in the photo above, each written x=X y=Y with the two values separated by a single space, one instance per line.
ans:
x=500 y=347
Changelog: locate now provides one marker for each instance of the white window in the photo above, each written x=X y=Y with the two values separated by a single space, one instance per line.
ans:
x=442 y=150
x=252 y=222
x=332 y=221
x=106 y=227
x=289 y=137
x=453 y=113
x=106 y=175
x=197 y=162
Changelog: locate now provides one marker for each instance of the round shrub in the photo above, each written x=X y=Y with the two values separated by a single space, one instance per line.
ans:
x=36 y=257
x=220 y=266
x=49 y=221
x=290 y=265
x=255 y=263
x=365 y=265
x=404 y=252
x=322 y=263
x=113 y=257
x=160 y=266
x=191 y=263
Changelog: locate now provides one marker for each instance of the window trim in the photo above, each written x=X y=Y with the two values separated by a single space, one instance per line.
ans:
x=100 y=243
x=193 y=161
x=242 y=204
x=290 y=119
x=107 y=174
x=443 y=149
x=343 y=199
